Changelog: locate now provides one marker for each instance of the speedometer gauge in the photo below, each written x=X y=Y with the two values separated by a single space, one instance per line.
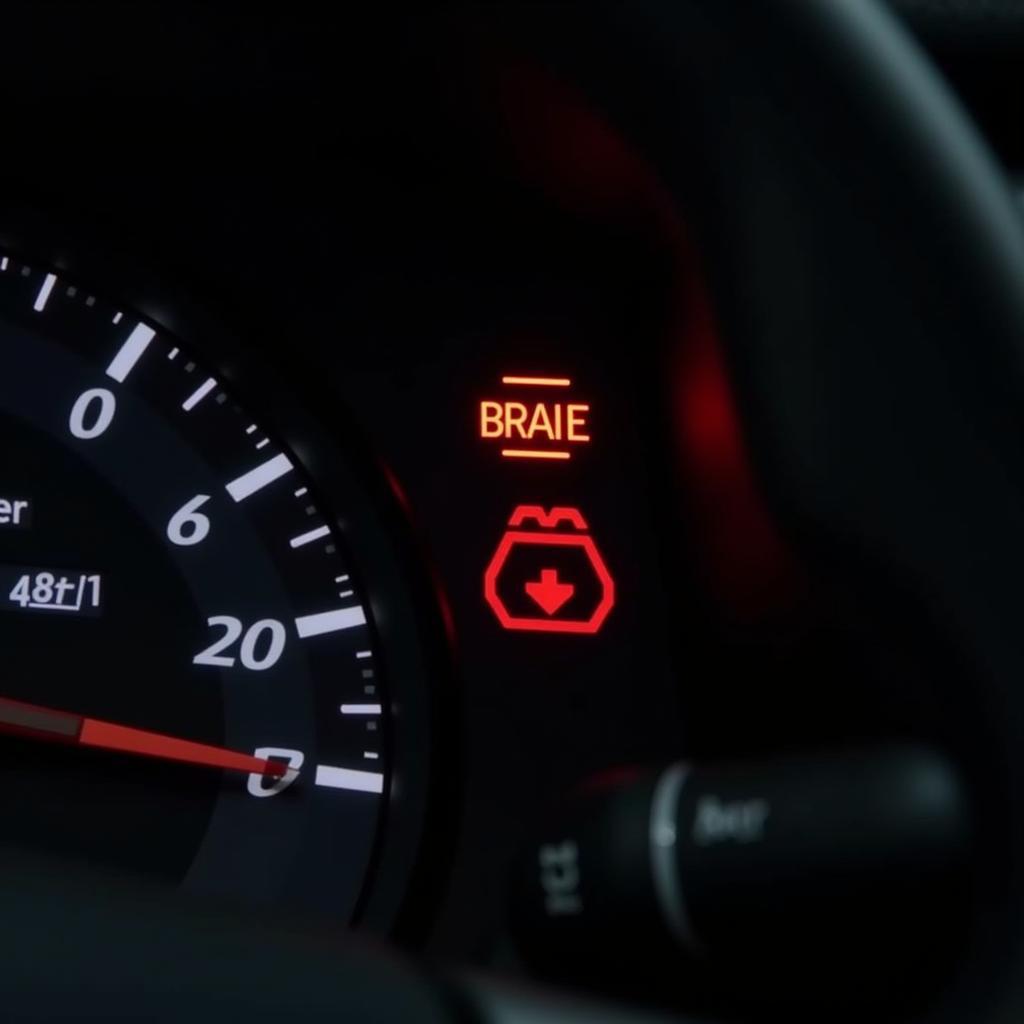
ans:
x=190 y=685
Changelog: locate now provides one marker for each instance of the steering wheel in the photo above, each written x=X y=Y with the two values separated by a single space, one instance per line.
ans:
x=866 y=261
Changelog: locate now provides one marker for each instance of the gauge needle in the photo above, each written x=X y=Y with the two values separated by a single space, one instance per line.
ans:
x=64 y=727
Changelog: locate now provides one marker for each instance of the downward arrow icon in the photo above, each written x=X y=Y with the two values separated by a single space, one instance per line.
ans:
x=548 y=592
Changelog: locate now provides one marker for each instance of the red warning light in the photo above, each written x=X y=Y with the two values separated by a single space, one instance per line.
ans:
x=555 y=570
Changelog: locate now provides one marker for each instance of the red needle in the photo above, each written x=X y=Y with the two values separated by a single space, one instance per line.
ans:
x=64 y=727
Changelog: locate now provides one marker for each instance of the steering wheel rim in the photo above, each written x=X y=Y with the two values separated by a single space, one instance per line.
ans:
x=872 y=313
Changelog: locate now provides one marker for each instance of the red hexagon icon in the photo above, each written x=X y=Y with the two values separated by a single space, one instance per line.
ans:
x=563 y=575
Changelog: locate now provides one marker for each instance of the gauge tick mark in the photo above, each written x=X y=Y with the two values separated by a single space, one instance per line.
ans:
x=199 y=394
x=308 y=538
x=44 y=293
x=256 y=479
x=361 y=709
x=130 y=352
x=349 y=778
x=329 y=622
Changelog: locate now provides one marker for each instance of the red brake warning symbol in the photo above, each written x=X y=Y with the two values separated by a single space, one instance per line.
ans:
x=551 y=579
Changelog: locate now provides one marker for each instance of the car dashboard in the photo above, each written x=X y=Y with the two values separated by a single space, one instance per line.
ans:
x=437 y=525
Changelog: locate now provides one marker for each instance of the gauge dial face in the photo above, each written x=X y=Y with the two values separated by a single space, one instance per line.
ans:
x=190 y=686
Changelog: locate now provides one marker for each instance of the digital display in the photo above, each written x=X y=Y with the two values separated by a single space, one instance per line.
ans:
x=51 y=590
